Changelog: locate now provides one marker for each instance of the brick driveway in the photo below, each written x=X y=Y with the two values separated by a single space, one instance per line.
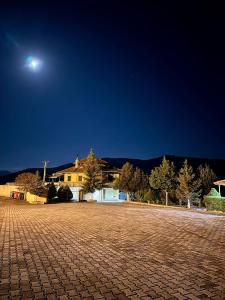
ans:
x=93 y=251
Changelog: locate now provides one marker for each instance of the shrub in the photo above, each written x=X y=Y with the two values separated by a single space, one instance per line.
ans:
x=64 y=194
x=52 y=192
x=152 y=196
x=213 y=201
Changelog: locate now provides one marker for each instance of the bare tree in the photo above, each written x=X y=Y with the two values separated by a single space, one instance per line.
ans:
x=206 y=177
x=29 y=182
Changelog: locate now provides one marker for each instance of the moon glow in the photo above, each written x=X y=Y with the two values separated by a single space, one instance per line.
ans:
x=34 y=64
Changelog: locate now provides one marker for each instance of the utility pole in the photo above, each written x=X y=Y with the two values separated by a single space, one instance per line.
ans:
x=45 y=163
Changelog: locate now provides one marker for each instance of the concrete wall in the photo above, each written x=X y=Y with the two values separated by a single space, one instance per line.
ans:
x=33 y=199
x=104 y=195
x=75 y=191
x=96 y=196
x=6 y=189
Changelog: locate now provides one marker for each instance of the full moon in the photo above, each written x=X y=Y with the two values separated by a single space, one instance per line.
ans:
x=34 y=64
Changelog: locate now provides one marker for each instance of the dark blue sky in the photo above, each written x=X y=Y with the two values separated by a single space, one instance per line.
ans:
x=130 y=80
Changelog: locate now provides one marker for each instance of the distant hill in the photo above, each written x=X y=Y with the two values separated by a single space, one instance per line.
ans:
x=218 y=165
x=4 y=172
x=12 y=176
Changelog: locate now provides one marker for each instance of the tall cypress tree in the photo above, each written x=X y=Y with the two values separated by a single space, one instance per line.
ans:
x=94 y=178
x=124 y=182
x=188 y=186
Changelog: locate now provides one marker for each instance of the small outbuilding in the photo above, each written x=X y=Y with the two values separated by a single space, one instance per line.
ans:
x=220 y=183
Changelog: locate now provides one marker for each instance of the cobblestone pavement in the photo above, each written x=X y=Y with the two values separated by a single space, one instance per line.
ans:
x=95 y=251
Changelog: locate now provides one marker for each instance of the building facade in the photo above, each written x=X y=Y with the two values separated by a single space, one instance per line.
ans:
x=75 y=177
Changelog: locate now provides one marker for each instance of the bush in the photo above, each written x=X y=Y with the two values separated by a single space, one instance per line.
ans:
x=52 y=192
x=152 y=196
x=64 y=194
x=213 y=201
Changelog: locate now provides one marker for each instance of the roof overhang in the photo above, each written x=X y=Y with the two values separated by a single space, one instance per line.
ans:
x=56 y=175
x=220 y=182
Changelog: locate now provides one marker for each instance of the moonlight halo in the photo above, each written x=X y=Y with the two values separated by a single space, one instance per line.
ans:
x=33 y=63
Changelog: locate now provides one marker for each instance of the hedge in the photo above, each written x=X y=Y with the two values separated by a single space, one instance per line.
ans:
x=215 y=203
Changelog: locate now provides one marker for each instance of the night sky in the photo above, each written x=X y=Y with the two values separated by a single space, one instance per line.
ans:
x=130 y=80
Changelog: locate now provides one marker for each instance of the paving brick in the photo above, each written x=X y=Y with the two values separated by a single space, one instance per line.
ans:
x=90 y=251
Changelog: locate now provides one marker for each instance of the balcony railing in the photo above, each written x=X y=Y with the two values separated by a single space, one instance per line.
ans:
x=78 y=184
x=70 y=184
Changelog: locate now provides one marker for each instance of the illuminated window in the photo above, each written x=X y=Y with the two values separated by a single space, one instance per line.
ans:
x=79 y=178
x=69 y=178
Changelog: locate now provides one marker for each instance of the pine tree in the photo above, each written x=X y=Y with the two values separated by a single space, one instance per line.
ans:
x=206 y=177
x=132 y=181
x=94 y=177
x=125 y=181
x=188 y=186
x=140 y=183
x=162 y=178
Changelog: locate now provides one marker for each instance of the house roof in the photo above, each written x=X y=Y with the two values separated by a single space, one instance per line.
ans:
x=79 y=167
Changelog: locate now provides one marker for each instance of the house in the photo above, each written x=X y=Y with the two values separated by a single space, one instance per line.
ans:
x=75 y=176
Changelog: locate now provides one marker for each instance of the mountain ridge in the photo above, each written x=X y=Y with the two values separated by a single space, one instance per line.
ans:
x=218 y=165
x=4 y=172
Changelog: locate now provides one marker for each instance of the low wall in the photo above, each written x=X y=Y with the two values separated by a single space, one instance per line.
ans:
x=6 y=189
x=34 y=199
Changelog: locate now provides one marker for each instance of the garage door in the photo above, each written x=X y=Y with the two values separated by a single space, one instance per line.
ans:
x=110 y=195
